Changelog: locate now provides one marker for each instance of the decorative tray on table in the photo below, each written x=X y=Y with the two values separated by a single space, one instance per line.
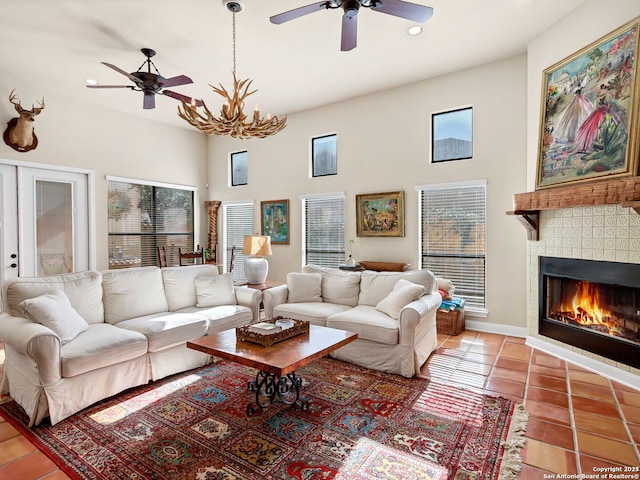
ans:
x=270 y=332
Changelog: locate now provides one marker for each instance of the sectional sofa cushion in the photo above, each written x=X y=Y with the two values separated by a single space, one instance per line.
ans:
x=179 y=284
x=133 y=292
x=340 y=287
x=84 y=291
x=304 y=287
x=164 y=330
x=374 y=286
x=315 y=313
x=54 y=310
x=403 y=293
x=368 y=323
x=215 y=290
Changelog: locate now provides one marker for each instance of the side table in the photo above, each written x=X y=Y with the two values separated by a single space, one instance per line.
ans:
x=262 y=287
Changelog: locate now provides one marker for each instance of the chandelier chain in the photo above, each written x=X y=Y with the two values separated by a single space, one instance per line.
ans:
x=234 y=44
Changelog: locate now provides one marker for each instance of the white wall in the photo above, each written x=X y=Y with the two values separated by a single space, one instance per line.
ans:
x=383 y=145
x=75 y=134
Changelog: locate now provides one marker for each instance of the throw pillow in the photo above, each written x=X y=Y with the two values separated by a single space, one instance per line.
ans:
x=403 y=293
x=54 y=310
x=304 y=287
x=215 y=291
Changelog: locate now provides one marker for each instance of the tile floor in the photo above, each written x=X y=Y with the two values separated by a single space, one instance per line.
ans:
x=578 y=421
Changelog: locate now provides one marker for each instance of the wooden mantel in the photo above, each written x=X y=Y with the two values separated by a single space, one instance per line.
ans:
x=624 y=192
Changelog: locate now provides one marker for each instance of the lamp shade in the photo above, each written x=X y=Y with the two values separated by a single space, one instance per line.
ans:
x=258 y=245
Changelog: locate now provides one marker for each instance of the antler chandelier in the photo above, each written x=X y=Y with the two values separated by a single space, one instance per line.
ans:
x=232 y=119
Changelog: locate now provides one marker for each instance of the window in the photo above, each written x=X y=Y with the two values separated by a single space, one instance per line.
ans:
x=144 y=216
x=452 y=135
x=324 y=155
x=239 y=169
x=238 y=222
x=453 y=219
x=323 y=220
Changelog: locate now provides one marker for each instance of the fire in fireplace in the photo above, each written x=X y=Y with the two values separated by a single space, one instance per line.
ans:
x=592 y=305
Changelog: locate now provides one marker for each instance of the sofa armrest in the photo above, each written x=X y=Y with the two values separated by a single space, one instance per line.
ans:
x=273 y=297
x=249 y=297
x=36 y=342
x=415 y=315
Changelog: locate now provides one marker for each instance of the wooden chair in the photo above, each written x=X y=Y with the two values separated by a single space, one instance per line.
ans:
x=233 y=256
x=168 y=256
x=191 y=258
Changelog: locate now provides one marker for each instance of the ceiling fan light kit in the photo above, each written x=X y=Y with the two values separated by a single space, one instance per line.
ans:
x=398 y=8
x=232 y=120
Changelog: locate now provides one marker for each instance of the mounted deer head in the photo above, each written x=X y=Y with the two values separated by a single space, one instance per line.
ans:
x=19 y=133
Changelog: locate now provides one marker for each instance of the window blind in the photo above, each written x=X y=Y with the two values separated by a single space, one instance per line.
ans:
x=238 y=222
x=324 y=241
x=142 y=217
x=453 y=218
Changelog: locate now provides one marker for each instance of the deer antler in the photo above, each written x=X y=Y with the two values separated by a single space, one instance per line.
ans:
x=13 y=96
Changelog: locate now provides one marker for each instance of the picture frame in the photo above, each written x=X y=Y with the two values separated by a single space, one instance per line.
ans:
x=589 y=112
x=324 y=155
x=452 y=135
x=274 y=218
x=380 y=214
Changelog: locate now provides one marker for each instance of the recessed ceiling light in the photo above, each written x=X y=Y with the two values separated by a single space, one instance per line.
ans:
x=90 y=81
x=415 y=30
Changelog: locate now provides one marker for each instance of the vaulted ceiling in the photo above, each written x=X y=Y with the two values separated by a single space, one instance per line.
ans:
x=53 y=46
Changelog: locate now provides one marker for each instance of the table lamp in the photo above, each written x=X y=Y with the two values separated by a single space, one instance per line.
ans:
x=256 y=267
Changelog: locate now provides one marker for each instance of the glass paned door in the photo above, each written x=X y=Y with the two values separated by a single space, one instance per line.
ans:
x=54 y=227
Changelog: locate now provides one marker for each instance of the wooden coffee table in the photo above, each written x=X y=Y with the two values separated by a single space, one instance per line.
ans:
x=276 y=378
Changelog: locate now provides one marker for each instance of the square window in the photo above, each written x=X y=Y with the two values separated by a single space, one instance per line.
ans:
x=452 y=135
x=324 y=155
x=239 y=173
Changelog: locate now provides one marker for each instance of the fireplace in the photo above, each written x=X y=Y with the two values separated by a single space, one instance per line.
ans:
x=592 y=305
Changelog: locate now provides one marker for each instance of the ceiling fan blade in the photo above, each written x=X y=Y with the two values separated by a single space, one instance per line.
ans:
x=402 y=9
x=110 y=86
x=184 y=98
x=298 y=12
x=149 y=101
x=126 y=74
x=175 y=81
x=349 y=32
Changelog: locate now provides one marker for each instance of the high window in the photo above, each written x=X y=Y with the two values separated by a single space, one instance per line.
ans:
x=239 y=168
x=323 y=221
x=453 y=224
x=144 y=216
x=238 y=222
x=324 y=156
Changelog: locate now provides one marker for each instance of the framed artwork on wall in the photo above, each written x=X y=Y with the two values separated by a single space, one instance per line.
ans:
x=274 y=218
x=589 y=113
x=452 y=135
x=324 y=155
x=380 y=214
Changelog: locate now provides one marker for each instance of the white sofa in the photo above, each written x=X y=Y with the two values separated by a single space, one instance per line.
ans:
x=74 y=339
x=393 y=313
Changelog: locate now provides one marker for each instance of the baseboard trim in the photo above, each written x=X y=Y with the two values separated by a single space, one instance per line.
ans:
x=613 y=373
x=485 y=327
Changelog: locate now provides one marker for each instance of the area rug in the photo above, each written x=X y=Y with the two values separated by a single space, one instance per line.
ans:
x=359 y=424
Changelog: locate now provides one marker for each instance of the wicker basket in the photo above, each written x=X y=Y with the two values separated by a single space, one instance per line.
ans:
x=450 y=322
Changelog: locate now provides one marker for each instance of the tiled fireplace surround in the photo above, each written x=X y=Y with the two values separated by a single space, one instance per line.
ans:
x=601 y=232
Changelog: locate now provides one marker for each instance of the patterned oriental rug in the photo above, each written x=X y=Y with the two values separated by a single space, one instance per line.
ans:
x=360 y=424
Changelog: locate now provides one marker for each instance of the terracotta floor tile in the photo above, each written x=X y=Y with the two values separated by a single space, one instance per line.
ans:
x=549 y=372
x=435 y=372
x=487 y=349
x=14 y=448
x=506 y=374
x=607 y=427
x=628 y=398
x=512 y=364
x=631 y=413
x=505 y=386
x=515 y=340
x=598 y=407
x=451 y=352
x=547 y=360
x=479 y=357
x=635 y=432
x=605 y=448
x=588 y=377
x=550 y=383
x=577 y=368
x=549 y=457
x=474 y=367
x=589 y=465
x=57 y=475
x=548 y=396
x=7 y=431
x=597 y=392
x=516 y=351
x=491 y=338
x=624 y=388
x=527 y=472
x=467 y=378
x=33 y=466
x=550 y=433
x=545 y=411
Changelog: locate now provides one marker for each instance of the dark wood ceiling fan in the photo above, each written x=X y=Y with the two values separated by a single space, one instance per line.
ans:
x=398 y=8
